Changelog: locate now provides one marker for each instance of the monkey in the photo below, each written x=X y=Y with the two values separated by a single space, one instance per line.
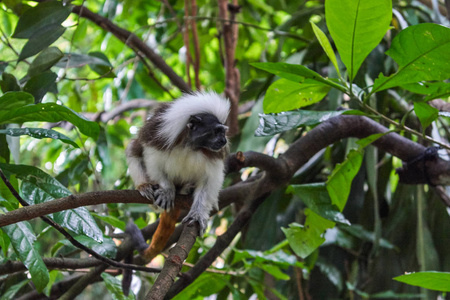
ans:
x=181 y=149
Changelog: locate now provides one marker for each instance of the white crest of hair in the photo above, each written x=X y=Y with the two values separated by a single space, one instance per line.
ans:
x=176 y=117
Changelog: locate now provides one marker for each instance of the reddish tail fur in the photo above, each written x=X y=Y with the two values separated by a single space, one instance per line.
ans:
x=166 y=226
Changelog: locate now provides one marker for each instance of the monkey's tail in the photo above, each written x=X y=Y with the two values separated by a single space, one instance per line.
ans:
x=166 y=226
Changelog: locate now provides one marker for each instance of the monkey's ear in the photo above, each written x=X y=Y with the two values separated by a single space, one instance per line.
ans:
x=193 y=120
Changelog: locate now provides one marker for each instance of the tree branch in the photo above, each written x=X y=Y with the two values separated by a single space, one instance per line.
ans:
x=131 y=40
x=232 y=75
x=220 y=245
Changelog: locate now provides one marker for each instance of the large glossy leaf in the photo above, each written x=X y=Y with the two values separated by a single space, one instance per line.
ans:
x=36 y=19
x=422 y=53
x=45 y=60
x=438 y=281
x=296 y=73
x=38 y=187
x=49 y=112
x=41 y=40
x=22 y=239
x=39 y=133
x=426 y=113
x=316 y=197
x=273 y=124
x=340 y=180
x=284 y=95
x=357 y=27
x=304 y=239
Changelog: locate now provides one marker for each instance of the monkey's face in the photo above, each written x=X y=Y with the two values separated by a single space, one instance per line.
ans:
x=205 y=131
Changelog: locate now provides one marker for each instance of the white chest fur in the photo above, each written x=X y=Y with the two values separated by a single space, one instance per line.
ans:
x=180 y=165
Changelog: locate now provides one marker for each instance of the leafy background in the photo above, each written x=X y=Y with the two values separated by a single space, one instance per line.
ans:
x=62 y=75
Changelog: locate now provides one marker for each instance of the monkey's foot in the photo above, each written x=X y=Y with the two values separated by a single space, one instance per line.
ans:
x=196 y=216
x=165 y=198
x=146 y=190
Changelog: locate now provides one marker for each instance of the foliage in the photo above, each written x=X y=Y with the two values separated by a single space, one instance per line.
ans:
x=343 y=226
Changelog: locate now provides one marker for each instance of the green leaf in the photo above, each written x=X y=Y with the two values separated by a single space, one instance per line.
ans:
x=102 y=69
x=437 y=281
x=315 y=196
x=13 y=100
x=49 y=112
x=280 y=258
x=274 y=124
x=9 y=83
x=22 y=239
x=205 y=285
x=73 y=60
x=4 y=239
x=305 y=239
x=325 y=43
x=340 y=180
x=38 y=187
x=357 y=27
x=274 y=271
x=41 y=41
x=422 y=53
x=40 y=84
x=39 y=133
x=296 y=73
x=426 y=113
x=36 y=19
x=115 y=287
x=55 y=276
x=284 y=95
x=358 y=231
x=12 y=291
x=45 y=60
x=111 y=220
x=106 y=248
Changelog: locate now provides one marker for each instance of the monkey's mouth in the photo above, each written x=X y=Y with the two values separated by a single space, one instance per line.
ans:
x=216 y=147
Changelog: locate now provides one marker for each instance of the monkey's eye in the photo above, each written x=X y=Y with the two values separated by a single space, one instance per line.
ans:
x=219 y=130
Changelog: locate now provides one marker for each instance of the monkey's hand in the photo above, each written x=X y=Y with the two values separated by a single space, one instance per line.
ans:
x=146 y=190
x=165 y=197
x=196 y=215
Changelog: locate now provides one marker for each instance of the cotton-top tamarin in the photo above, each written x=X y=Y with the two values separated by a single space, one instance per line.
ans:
x=181 y=149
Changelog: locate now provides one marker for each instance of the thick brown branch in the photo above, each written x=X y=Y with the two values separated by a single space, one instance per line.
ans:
x=174 y=262
x=279 y=171
x=221 y=244
x=232 y=75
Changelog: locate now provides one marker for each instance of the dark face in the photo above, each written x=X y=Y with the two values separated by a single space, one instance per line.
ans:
x=207 y=132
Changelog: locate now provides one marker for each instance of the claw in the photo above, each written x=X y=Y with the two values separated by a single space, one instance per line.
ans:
x=165 y=198
x=146 y=190
x=196 y=216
